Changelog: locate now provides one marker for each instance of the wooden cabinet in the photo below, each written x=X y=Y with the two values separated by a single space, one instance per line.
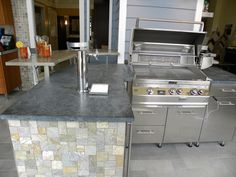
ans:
x=9 y=75
x=6 y=16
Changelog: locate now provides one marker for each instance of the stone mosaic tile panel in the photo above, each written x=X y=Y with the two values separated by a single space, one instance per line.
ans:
x=68 y=149
x=27 y=77
x=20 y=15
x=22 y=33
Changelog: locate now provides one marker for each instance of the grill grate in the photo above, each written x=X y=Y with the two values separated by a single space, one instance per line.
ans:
x=158 y=59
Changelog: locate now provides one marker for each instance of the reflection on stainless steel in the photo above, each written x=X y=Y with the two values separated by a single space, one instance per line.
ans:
x=82 y=70
x=94 y=54
x=219 y=124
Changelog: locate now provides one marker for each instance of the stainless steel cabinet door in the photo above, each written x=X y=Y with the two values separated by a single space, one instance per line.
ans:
x=220 y=121
x=184 y=124
x=147 y=134
x=149 y=116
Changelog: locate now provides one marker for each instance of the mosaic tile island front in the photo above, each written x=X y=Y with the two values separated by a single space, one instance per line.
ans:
x=68 y=149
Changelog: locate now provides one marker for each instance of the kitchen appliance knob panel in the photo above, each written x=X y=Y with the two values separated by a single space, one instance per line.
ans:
x=194 y=92
x=172 y=91
x=149 y=91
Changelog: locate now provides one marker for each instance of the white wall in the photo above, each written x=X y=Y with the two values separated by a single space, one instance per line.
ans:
x=157 y=9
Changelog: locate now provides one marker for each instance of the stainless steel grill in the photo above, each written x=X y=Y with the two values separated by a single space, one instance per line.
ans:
x=170 y=93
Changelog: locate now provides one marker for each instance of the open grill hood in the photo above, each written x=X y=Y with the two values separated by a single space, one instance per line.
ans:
x=168 y=36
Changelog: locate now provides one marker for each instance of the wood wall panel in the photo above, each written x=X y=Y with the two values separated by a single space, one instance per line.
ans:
x=6 y=16
x=10 y=75
x=69 y=12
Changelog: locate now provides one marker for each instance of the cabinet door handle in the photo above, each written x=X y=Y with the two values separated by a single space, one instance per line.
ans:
x=183 y=98
x=228 y=90
x=145 y=132
x=226 y=103
x=186 y=112
x=147 y=112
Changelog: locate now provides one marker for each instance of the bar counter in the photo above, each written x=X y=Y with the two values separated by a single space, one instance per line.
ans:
x=56 y=131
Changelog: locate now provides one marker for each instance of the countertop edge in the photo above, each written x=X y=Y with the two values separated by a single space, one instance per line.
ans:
x=7 y=52
x=223 y=82
x=64 y=118
x=223 y=78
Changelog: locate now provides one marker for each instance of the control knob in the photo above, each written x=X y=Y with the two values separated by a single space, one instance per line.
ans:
x=179 y=91
x=149 y=91
x=200 y=92
x=172 y=91
x=194 y=92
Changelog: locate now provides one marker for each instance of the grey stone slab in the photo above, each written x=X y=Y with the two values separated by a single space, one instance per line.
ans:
x=7 y=165
x=197 y=172
x=8 y=174
x=138 y=174
x=231 y=149
x=196 y=162
x=152 y=152
x=157 y=174
x=157 y=166
x=230 y=164
x=12 y=97
x=4 y=132
x=209 y=160
x=178 y=164
x=208 y=150
x=58 y=99
x=6 y=151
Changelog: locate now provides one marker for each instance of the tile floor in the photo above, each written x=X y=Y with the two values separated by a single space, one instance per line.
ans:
x=172 y=160
x=178 y=160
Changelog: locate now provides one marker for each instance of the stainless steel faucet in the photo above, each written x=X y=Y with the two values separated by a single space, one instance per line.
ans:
x=82 y=69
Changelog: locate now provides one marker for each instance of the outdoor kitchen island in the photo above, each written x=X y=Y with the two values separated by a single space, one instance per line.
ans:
x=57 y=131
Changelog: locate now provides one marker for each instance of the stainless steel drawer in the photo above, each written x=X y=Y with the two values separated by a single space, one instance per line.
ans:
x=169 y=100
x=149 y=116
x=147 y=134
x=223 y=90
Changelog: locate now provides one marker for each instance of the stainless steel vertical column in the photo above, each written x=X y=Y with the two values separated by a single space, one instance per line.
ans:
x=82 y=70
x=127 y=149
x=84 y=15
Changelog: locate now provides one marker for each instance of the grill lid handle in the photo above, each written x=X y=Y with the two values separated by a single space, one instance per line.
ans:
x=137 y=24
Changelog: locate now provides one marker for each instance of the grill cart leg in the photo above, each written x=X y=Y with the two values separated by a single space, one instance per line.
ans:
x=197 y=144
x=190 y=144
x=159 y=145
x=222 y=143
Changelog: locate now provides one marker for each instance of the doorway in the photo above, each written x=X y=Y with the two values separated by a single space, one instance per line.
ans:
x=100 y=24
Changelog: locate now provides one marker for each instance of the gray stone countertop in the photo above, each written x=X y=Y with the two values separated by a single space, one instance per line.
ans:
x=58 y=99
x=219 y=75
